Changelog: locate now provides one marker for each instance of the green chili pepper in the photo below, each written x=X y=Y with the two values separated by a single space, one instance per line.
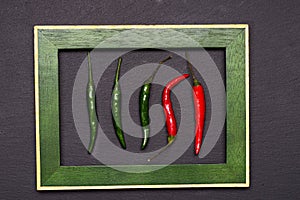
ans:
x=90 y=93
x=116 y=107
x=144 y=104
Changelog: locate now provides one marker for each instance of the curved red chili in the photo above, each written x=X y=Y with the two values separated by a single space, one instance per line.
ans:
x=199 y=106
x=167 y=105
x=169 y=113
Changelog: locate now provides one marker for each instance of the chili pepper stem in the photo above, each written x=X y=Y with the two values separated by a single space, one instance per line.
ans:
x=118 y=70
x=90 y=67
x=163 y=149
x=195 y=81
x=150 y=79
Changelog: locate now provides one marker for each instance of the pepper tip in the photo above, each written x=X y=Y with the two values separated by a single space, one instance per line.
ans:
x=143 y=147
x=123 y=146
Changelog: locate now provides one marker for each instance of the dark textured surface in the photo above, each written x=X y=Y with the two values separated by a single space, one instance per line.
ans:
x=275 y=82
x=72 y=150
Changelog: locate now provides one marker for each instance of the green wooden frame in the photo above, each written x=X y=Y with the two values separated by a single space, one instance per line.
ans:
x=52 y=176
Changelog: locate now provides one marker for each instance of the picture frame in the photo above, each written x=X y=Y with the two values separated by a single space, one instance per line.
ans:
x=50 y=175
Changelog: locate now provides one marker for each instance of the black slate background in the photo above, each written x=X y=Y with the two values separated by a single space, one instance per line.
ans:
x=274 y=90
x=72 y=150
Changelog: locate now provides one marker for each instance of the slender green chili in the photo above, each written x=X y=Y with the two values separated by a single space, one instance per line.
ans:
x=144 y=104
x=116 y=107
x=90 y=91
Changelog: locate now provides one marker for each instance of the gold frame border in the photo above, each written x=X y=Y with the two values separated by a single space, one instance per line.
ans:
x=36 y=87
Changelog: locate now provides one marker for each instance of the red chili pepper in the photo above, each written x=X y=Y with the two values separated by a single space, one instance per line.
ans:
x=167 y=105
x=170 y=117
x=199 y=106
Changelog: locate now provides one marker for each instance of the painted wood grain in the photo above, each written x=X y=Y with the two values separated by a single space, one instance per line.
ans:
x=51 y=40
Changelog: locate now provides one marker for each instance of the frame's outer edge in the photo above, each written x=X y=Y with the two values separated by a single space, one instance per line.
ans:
x=229 y=185
x=36 y=86
x=36 y=90
x=141 y=26
x=247 y=72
